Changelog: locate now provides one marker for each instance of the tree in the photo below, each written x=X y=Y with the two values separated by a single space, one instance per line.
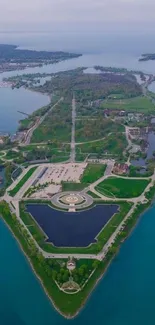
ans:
x=41 y=258
x=48 y=270
x=65 y=276
x=62 y=271
x=54 y=274
x=59 y=277
x=81 y=270
x=95 y=264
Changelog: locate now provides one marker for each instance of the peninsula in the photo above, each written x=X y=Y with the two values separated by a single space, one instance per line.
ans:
x=12 y=58
x=78 y=176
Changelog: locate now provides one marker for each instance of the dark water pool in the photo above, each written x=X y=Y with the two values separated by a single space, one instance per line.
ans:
x=71 y=229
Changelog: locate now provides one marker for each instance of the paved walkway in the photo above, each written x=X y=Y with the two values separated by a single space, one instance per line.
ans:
x=73 y=152
x=88 y=200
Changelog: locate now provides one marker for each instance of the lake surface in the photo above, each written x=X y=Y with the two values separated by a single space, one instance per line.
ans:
x=17 y=99
x=71 y=229
x=125 y=295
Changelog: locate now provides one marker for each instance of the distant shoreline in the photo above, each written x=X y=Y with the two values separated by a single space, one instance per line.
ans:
x=147 y=57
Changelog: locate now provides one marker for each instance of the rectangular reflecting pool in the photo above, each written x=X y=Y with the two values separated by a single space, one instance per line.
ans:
x=72 y=229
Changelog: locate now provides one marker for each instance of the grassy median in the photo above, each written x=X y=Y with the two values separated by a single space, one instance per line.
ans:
x=15 y=190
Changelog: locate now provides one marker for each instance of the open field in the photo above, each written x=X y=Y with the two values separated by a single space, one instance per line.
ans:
x=93 y=129
x=138 y=104
x=122 y=187
x=53 y=152
x=22 y=181
x=112 y=145
x=57 y=126
x=92 y=173
x=72 y=186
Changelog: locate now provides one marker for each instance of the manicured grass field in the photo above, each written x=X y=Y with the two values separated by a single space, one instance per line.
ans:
x=22 y=181
x=92 y=173
x=122 y=187
x=137 y=104
x=71 y=186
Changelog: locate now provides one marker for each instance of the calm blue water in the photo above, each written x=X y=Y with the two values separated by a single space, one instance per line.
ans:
x=67 y=229
x=125 y=296
x=17 y=99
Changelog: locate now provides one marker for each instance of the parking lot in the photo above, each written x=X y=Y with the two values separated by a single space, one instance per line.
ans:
x=66 y=172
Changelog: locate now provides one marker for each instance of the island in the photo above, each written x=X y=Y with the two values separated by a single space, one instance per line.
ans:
x=79 y=174
x=147 y=57
x=13 y=58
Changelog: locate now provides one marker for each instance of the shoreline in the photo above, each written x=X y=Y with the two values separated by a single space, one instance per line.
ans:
x=96 y=282
x=39 y=65
x=33 y=269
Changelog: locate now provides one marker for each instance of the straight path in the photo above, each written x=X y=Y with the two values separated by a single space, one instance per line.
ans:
x=38 y=122
x=73 y=152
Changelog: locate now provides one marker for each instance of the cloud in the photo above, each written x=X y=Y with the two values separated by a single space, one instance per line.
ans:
x=42 y=13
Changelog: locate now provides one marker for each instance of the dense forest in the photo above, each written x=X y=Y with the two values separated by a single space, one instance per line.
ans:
x=92 y=86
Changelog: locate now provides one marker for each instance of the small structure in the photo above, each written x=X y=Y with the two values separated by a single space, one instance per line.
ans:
x=120 y=169
x=71 y=265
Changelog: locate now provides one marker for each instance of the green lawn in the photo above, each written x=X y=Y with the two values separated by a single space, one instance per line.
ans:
x=92 y=173
x=22 y=181
x=11 y=154
x=136 y=104
x=112 y=145
x=93 y=195
x=122 y=187
x=71 y=186
x=92 y=129
x=56 y=126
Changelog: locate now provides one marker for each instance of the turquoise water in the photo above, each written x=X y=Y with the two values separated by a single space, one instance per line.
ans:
x=125 y=296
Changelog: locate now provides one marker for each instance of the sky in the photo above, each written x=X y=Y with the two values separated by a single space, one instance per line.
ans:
x=87 y=15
